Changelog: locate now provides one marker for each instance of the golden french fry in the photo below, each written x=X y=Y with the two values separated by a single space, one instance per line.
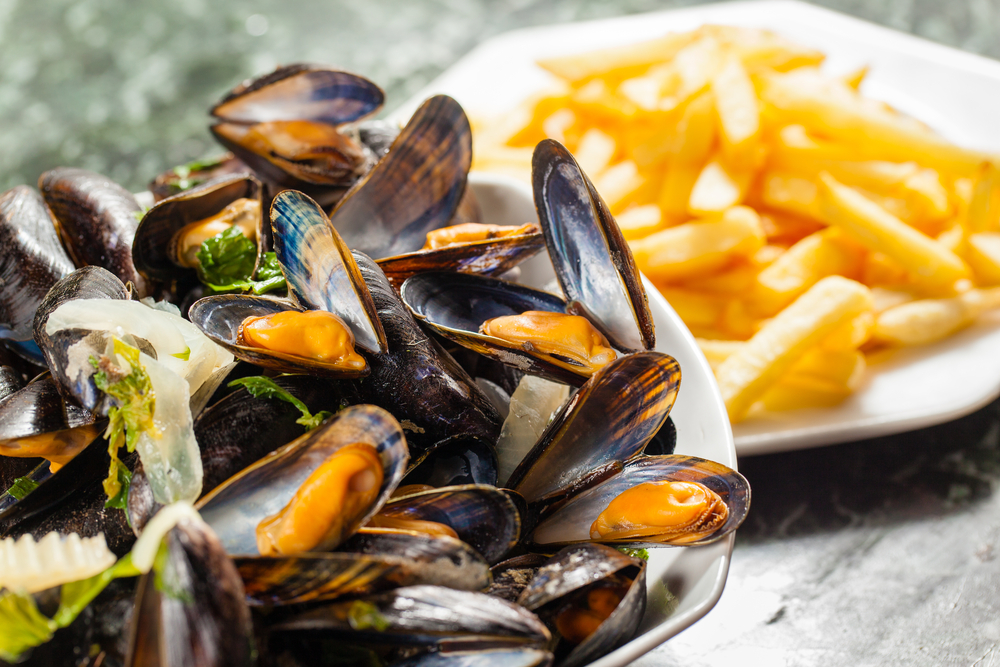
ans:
x=820 y=379
x=694 y=308
x=787 y=229
x=618 y=62
x=927 y=320
x=618 y=183
x=738 y=114
x=887 y=297
x=878 y=230
x=796 y=393
x=696 y=131
x=802 y=266
x=831 y=108
x=850 y=335
x=983 y=213
x=737 y=280
x=843 y=367
x=639 y=221
x=792 y=194
x=698 y=248
x=856 y=77
x=982 y=252
x=747 y=374
x=737 y=321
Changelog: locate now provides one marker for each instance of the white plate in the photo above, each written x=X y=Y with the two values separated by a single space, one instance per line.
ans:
x=695 y=576
x=954 y=92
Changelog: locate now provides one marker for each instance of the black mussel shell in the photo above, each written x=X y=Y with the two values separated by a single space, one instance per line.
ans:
x=322 y=273
x=606 y=423
x=97 y=221
x=499 y=657
x=512 y=576
x=482 y=516
x=415 y=188
x=301 y=91
x=192 y=610
x=221 y=317
x=456 y=305
x=418 y=382
x=32 y=259
x=591 y=257
x=457 y=460
x=153 y=247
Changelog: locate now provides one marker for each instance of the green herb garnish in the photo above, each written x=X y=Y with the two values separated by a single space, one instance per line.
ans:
x=364 y=616
x=25 y=627
x=264 y=387
x=183 y=172
x=21 y=487
x=183 y=356
x=641 y=554
x=130 y=417
x=226 y=262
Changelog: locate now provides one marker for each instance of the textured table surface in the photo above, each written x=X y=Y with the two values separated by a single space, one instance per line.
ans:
x=879 y=552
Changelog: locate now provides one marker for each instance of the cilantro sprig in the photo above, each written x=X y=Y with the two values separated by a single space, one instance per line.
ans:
x=264 y=387
x=132 y=414
x=226 y=262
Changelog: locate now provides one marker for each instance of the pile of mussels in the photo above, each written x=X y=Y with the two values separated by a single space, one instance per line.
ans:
x=269 y=420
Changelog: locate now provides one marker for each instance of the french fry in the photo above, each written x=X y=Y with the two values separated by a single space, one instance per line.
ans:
x=820 y=379
x=617 y=62
x=595 y=151
x=927 y=320
x=850 y=335
x=762 y=49
x=618 y=184
x=802 y=266
x=696 y=131
x=717 y=351
x=716 y=189
x=792 y=194
x=886 y=298
x=795 y=393
x=983 y=213
x=787 y=229
x=698 y=248
x=745 y=376
x=878 y=230
x=737 y=280
x=856 y=77
x=639 y=221
x=738 y=114
x=982 y=251
x=697 y=310
x=834 y=109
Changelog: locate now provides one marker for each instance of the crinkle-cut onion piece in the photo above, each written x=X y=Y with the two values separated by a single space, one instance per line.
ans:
x=29 y=566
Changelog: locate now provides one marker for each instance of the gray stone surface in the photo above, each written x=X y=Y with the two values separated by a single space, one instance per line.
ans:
x=873 y=553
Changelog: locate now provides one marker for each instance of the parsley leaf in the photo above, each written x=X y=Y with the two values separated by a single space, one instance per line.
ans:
x=184 y=171
x=131 y=416
x=264 y=387
x=641 y=554
x=226 y=262
x=21 y=487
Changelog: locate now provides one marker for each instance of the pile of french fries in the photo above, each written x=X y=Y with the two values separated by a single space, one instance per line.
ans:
x=793 y=224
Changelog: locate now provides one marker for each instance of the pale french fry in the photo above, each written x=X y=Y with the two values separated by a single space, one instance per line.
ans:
x=878 y=230
x=747 y=374
x=735 y=281
x=639 y=221
x=982 y=252
x=716 y=190
x=927 y=320
x=698 y=248
x=738 y=114
x=763 y=49
x=855 y=78
x=953 y=239
x=794 y=393
x=522 y=125
x=690 y=73
x=844 y=368
x=717 y=351
x=737 y=321
x=595 y=151
x=886 y=298
x=515 y=162
x=618 y=183
x=819 y=379
x=834 y=109
x=787 y=229
x=617 y=62
x=983 y=213
x=802 y=266
x=793 y=194
x=696 y=131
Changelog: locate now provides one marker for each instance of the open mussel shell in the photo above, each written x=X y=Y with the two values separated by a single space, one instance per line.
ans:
x=456 y=305
x=32 y=259
x=567 y=577
x=221 y=318
x=415 y=188
x=461 y=459
x=321 y=272
x=97 y=220
x=154 y=249
x=490 y=257
x=426 y=616
x=90 y=282
x=191 y=611
x=236 y=507
x=482 y=516
x=500 y=657
x=607 y=422
x=571 y=522
x=183 y=177
x=368 y=562
x=512 y=576
x=301 y=91
x=591 y=258
x=37 y=421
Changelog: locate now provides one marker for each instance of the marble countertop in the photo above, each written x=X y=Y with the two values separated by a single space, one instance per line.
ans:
x=879 y=552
